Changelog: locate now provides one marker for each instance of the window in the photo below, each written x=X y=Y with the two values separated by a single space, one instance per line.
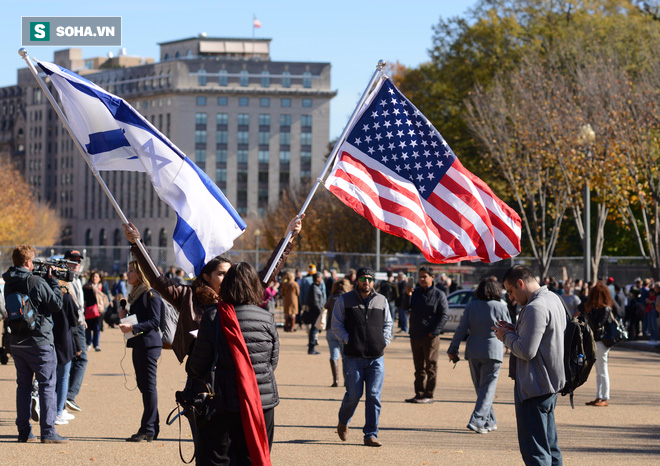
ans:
x=201 y=77
x=200 y=155
x=222 y=119
x=242 y=156
x=221 y=156
x=285 y=120
x=242 y=176
x=265 y=79
x=243 y=119
x=305 y=174
x=200 y=119
x=305 y=139
x=200 y=137
x=264 y=119
x=306 y=121
x=222 y=79
x=285 y=156
x=245 y=102
x=306 y=103
x=285 y=102
x=244 y=78
x=201 y=101
x=221 y=137
x=285 y=139
x=305 y=157
x=286 y=79
x=220 y=175
x=264 y=138
x=243 y=137
x=264 y=102
x=307 y=79
x=222 y=101
x=264 y=156
x=284 y=178
x=263 y=179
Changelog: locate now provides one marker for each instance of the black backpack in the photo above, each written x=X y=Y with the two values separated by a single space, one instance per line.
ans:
x=21 y=314
x=579 y=353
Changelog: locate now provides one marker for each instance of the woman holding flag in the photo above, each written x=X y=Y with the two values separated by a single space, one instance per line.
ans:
x=191 y=300
x=241 y=430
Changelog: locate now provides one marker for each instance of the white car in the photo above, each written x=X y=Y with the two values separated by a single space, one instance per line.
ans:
x=457 y=302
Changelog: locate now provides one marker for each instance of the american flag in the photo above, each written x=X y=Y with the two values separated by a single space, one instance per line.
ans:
x=397 y=171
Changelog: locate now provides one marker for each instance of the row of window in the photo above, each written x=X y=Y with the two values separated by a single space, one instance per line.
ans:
x=118 y=237
x=243 y=138
x=244 y=78
x=264 y=102
x=242 y=156
x=243 y=119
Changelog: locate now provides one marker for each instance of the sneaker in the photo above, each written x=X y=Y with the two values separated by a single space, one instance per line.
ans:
x=424 y=400
x=60 y=421
x=56 y=438
x=67 y=416
x=478 y=430
x=72 y=405
x=29 y=439
x=34 y=415
x=89 y=347
x=413 y=399
x=491 y=428
x=97 y=349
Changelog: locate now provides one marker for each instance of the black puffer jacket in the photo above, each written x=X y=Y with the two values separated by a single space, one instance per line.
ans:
x=260 y=334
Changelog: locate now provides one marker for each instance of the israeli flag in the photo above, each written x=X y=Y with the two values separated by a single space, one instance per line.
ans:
x=116 y=137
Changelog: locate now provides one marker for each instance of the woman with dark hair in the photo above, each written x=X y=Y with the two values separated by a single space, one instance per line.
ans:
x=241 y=293
x=95 y=304
x=146 y=342
x=336 y=349
x=483 y=350
x=192 y=300
x=596 y=312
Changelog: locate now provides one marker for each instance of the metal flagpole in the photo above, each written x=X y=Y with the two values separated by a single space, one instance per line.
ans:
x=23 y=53
x=330 y=161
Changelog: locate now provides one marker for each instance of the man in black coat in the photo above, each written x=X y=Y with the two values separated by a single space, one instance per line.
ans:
x=33 y=350
x=428 y=315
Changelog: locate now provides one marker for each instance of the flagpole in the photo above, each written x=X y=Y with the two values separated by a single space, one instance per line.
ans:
x=379 y=71
x=24 y=54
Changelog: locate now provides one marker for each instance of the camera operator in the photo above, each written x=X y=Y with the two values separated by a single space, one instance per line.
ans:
x=33 y=350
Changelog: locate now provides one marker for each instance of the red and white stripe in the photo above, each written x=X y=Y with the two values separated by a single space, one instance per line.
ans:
x=461 y=220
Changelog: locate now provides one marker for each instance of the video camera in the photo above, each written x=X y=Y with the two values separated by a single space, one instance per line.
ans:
x=59 y=269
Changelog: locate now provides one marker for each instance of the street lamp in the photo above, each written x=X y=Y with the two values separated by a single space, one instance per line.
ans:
x=257 y=233
x=586 y=138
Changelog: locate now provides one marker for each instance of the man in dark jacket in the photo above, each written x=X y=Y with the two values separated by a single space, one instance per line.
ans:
x=33 y=350
x=362 y=322
x=428 y=315
x=315 y=302
x=390 y=290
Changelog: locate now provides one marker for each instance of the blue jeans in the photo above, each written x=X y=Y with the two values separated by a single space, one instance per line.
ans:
x=403 y=320
x=39 y=362
x=360 y=372
x=652 y=324
x=62 y=385
x=484 y=374
x=537 y=432
x=336 y=348
x=78 y=365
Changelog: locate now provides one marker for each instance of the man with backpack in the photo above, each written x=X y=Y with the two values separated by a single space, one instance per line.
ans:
x=31 y=301
x=536 y=343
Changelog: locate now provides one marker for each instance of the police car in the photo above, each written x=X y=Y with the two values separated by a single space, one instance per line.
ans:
x=457 y=302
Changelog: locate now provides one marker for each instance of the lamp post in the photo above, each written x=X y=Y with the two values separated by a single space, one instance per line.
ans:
x=257 y=233
x=586 y=138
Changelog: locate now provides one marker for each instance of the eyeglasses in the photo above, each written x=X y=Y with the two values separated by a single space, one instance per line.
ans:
x=364 y=279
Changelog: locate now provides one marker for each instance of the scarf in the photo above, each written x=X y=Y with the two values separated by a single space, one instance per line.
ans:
x=136 y=292
x=252 y=414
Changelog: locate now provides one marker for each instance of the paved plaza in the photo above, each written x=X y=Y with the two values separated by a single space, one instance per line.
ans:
x=626 y=432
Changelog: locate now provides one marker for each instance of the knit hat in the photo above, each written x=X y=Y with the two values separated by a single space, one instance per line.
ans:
x=365 y=271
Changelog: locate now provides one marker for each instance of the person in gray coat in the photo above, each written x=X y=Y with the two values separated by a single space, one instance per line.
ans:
x=483 y=350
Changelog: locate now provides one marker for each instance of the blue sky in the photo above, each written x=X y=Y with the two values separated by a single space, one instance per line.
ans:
x=351 y=35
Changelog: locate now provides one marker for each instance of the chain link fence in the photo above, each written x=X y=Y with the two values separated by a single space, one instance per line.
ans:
x=114 y=260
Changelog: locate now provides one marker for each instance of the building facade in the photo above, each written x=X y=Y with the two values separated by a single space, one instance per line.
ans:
x=256 y=126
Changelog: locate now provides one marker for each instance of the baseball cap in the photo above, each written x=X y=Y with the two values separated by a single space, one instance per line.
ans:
x=73 y=255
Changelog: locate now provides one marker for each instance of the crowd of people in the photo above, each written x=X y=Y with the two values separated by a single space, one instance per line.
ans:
x=231 y=307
